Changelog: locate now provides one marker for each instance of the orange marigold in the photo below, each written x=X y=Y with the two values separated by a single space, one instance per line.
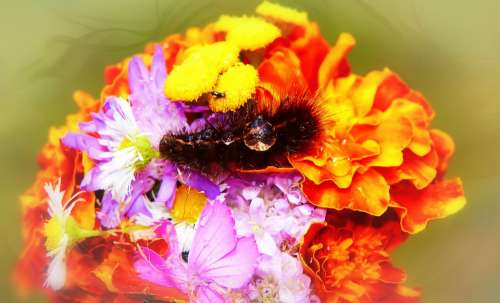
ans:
x=381 y=138
x=348 y=259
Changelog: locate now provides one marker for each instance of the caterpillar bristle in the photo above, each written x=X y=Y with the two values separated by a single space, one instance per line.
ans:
x=253 y=137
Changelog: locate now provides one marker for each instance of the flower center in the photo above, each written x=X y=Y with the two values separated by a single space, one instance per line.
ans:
x=55 y=229
x=267 y=291
x=144 y=148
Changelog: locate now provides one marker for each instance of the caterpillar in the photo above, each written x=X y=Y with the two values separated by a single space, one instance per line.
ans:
x=253 y=137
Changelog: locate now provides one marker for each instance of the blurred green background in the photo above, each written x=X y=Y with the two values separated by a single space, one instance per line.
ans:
x=448 y=49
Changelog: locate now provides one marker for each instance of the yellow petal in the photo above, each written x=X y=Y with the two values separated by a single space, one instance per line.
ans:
x=188 y=205
x=198 y=73
x=281 y=13
x=238 y=84
x=248 y=33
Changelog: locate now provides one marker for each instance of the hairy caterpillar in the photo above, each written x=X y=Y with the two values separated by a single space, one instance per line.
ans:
x=253 y=137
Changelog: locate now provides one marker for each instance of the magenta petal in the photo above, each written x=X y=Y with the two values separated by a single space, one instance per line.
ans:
x=152 y=267
x=166 y=230
x=214 y=238
x=205 y=294
x=235 y=269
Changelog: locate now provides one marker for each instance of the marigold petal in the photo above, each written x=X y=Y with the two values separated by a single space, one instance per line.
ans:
x=391 y=87
x=391 y=274
x=363 y=95
x=444 y=146
x=281 y=72
x=84 y=211
x=237 y=84
x=394 y=133
x=418 y=207
x=347 y=257
x=335 y=63
x=420 y=171
x=117 y=81
x=248 y=33
x=198 y=73
x=421 y=141
x=369 y=192
x=311 y=49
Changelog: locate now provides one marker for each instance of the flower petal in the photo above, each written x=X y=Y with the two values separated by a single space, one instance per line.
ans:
x=369 y=192
x=417 y=207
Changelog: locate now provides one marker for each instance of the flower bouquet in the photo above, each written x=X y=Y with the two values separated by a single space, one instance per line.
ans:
x=239 y=162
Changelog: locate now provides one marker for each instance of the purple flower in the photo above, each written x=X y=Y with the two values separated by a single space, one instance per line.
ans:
x=125 y=149
x=155 y=114
x=120 y=150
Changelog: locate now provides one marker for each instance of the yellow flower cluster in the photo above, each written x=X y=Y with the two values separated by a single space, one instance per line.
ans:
x=216 y=67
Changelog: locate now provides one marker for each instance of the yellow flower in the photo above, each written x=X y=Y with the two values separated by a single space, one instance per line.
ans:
x=198 y=73
x=248 y=33
x=237 y=84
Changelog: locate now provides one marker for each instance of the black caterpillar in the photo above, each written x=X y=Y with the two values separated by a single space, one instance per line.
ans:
x=250 y=138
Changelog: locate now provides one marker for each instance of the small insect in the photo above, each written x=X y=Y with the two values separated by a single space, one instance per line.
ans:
x=253 y=137
x=217 y=94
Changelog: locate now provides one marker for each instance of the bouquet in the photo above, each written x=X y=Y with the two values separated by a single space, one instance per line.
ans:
x=240 y=162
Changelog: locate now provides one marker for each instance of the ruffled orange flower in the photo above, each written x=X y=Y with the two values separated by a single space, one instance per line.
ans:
x=347 y=258
x=381 y=135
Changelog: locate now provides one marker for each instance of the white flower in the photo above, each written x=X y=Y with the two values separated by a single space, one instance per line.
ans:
x=57 y=237
x=61 y=231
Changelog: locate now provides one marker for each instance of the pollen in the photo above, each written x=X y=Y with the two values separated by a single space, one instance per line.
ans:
x=248 y=33
x=237 y=84
x=198 y=73
x=280 y=13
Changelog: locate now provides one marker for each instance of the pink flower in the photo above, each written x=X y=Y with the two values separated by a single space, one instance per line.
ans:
x=272 y=209
x=217 y=262
x=280 y=278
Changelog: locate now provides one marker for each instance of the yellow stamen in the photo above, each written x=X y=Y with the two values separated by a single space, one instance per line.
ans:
x=248 y=33
x=238 y=84
x=198 y=73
